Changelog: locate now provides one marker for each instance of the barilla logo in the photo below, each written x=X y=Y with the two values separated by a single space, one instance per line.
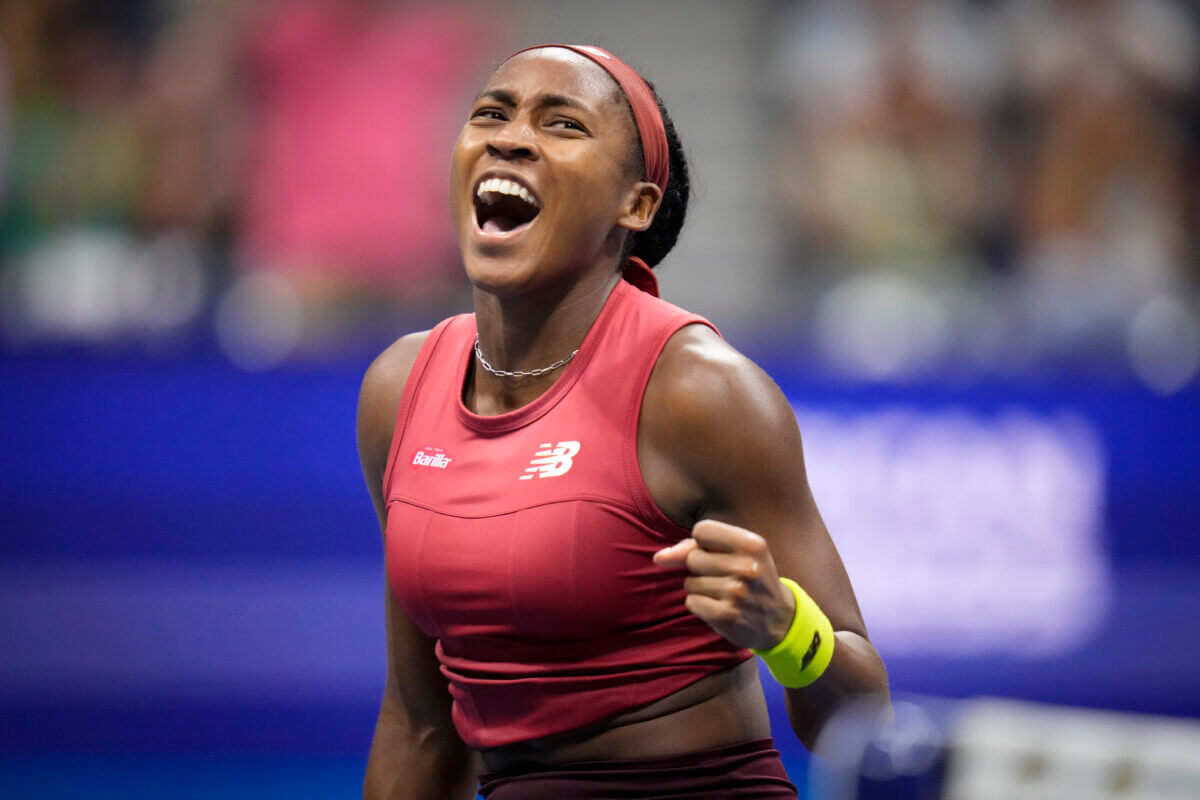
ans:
x=431 y=457
x=550 y=461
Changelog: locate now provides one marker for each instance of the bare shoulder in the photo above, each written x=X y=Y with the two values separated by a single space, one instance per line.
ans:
x=702 y=383
x=721 y=430
x=385 y=377
x=729 y=436
x=379 y=401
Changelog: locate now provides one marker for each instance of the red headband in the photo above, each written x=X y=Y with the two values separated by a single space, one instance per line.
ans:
x=641 y=100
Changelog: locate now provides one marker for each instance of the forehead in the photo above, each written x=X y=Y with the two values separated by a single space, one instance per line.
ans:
x=555 y=70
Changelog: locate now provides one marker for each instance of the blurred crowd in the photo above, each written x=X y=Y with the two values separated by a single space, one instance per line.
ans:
x=260 y=163
x=999 y=184
x=982 y=185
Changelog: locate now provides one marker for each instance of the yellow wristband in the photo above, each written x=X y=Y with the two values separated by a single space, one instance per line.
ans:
x=807 y=648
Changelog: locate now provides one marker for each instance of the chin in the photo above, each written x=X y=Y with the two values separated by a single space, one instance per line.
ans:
x=500 y=275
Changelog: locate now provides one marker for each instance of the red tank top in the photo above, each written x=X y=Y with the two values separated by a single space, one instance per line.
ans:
x=522 y=542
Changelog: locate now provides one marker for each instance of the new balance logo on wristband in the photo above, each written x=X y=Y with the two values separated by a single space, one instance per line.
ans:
x=550 y=461
x=811 y=653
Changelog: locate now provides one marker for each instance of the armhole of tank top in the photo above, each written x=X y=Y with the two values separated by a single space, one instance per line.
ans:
x=411 y=386
x=633 y=469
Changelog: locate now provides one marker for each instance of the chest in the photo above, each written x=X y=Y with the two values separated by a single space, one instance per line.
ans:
x=550 y=571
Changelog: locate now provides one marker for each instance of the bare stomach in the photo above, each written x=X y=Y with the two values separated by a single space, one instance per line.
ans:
x=720 y=709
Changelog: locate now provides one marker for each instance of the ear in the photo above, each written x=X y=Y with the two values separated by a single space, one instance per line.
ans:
x=641 y=204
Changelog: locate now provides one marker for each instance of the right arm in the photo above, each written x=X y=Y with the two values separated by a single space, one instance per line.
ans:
x=416 y=752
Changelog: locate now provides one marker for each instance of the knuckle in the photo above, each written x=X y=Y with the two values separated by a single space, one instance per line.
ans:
x=727 y=613
x=749 y=569
x=756 y=545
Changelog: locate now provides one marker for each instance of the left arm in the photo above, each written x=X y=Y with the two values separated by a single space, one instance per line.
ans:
x=721 y=451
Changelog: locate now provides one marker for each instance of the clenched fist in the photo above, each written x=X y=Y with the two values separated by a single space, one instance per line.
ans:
x=732 y=584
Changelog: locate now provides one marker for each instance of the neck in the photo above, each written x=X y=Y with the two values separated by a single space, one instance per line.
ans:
x=530 y=331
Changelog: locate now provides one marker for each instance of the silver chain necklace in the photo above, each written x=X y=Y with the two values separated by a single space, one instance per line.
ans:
x=520 y=373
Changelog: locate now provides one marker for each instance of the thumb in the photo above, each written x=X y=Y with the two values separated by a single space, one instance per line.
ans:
x=675 y=555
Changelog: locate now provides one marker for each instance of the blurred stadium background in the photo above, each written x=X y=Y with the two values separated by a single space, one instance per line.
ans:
x=964 y=237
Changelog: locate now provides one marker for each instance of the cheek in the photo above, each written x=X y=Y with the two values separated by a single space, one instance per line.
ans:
x=596 y=189
x=459 y=170
x=591 y=220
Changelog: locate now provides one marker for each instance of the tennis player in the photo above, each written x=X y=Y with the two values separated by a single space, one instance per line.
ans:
x=595 y=511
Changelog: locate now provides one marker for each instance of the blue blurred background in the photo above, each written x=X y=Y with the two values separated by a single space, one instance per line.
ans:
x=964 y=237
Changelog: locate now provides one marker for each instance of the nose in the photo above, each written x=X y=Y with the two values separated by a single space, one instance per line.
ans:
x=513 y=141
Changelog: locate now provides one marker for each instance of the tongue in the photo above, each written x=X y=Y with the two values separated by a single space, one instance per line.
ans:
x=502 y=224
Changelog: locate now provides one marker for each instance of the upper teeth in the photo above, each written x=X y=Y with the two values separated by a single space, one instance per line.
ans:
x=502 y=186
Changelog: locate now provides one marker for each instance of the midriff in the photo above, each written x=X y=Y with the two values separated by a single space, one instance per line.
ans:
x=721 y=709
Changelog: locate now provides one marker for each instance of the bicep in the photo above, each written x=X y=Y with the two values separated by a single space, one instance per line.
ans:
x=735 y=438
x=415 y=713
x=416 y=751
x=779 y=505
x=378 y=405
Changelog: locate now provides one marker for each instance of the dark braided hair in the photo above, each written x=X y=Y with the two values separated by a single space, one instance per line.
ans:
x=653 y=244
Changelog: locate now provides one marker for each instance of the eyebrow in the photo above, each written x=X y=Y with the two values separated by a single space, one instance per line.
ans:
x=544 y=101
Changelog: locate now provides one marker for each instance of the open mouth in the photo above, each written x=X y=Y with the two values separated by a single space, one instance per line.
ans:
x=504 y=206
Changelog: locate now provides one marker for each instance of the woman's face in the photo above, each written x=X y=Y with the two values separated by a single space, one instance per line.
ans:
x=542 y=182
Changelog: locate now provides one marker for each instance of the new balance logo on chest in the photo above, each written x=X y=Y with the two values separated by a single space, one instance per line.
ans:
x=550 y=461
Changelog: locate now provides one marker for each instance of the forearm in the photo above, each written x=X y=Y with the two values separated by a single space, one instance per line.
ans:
x=855 y=671
x=409 y=762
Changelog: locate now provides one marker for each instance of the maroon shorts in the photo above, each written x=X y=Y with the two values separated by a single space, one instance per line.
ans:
x=747 y=769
